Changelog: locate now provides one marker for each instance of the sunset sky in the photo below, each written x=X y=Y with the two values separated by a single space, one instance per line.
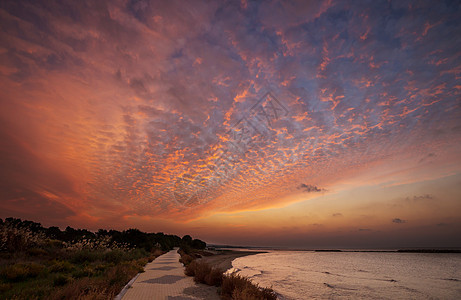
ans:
x=300 y=124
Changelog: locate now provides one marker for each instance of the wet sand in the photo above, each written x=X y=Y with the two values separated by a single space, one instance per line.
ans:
x=223 y=259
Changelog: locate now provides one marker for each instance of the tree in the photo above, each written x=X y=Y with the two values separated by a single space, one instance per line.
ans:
x=187 y=239
x=198 y=244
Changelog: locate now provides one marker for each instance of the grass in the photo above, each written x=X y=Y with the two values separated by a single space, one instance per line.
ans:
x=232 y=287
x=204 y=273
x=235 y=286
x=21 y=271
x=54 y=273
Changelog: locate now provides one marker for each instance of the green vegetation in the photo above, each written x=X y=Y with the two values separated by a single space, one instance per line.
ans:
x=47 y=263
x=232 y=286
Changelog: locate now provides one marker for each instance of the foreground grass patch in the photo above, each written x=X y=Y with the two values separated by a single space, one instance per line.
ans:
x=235 y=286
x=21 y=271
x=204 y=273
x=75 y=274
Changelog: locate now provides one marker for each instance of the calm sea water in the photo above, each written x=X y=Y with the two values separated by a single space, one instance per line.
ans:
x=355 y=275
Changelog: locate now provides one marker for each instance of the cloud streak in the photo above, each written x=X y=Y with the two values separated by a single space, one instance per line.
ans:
x=398 y=221
x=308 y=188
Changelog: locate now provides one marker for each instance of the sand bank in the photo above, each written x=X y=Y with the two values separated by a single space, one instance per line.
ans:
x=223 y=260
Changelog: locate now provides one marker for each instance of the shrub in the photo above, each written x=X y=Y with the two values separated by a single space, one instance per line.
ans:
x=157 y=252
x=56 y=244
x=36 y=252
x=190 y=269
x=122 y=273
x=215 y=277
x=21 y=271
x=73 y=290
x=139 y=264
x=87 y=271
x=185 y=249
x=154 y=254
x=83 y=288
x=102 y=267
x=114 y=256
x=61 y=266
x=61 y=280
x=5 y=287
x=186 y=259
x=201 y=271
x=83 y=256
x=14 y=239
x=235 y=286
x=204 y=273
x=198 y=244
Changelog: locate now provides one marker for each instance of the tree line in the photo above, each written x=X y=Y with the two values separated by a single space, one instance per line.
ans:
x=132 y=237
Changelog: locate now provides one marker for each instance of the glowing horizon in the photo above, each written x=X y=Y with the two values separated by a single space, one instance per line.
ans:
x=293 y=123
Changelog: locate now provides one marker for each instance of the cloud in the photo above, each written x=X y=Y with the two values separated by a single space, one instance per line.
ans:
x=308 y=188
x=131 y=106
x=426 y=197
x=337 y=215
x=364 y=229
x=398 y=221
x=443 y=224
x=427 y=157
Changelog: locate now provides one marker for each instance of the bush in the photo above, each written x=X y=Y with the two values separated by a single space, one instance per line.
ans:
x=198 y=244
x=36 y=252
x=61 y=280
x=14 y=239
x=21 y=271
x=140 y=263
x=102 y=267
x=5 y=287
x=186 y=259
x=83 y=288
x=83 y=256
x=154 y=254
x=55 y=244
x=190 y=269
x=204 y=273
x=215 y=277
x=87 y=271
x=60 y=266
x=122 y=273
x=114 y=256
x=235 y=286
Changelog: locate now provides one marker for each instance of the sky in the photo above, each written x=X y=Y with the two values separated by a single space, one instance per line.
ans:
x=300 y=124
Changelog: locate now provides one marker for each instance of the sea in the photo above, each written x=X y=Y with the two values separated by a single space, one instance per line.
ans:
x=355 y=275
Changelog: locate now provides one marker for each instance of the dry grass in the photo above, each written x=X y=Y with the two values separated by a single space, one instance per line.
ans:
x=204 y=273
x=186 y=259
x=233 y=286
x=238 y=287
x=156 y=253
x=21 y=271
x=102 y=276
x=104 y=287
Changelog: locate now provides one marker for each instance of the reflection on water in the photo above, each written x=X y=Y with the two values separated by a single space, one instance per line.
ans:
x=352 y=275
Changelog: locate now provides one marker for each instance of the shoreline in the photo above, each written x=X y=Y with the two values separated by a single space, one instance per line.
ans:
x=224 y=260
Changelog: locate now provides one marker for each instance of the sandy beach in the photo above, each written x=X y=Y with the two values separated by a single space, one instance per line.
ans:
x=223 y=259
